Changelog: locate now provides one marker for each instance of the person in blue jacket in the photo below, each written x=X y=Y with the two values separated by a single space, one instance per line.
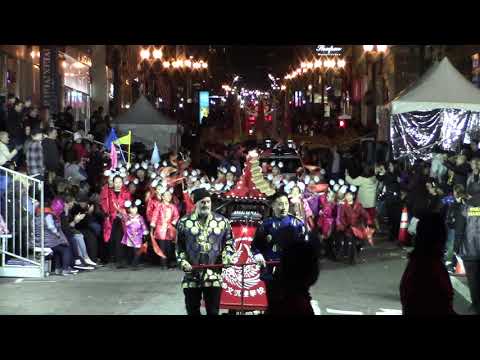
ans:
x=272 y=237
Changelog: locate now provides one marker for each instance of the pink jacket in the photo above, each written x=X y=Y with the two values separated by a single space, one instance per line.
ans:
x=165 y=217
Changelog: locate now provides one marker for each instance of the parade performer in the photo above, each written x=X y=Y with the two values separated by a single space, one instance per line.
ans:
x=272 y=236
x=112 y=201
x=203 y=238
x=326 y=217
x=299 y=207
x=164 y=217
x=134 y=231
x=353 y=223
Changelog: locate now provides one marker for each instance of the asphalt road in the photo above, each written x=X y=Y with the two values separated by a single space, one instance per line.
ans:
x=369 y=288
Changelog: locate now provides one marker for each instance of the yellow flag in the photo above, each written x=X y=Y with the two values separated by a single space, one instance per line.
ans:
x=125 y=140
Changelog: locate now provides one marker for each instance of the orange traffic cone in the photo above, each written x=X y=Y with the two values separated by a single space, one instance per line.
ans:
x=459 y=269
x=403 y=233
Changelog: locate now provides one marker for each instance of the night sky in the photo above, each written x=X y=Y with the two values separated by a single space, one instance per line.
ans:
x=253 y=63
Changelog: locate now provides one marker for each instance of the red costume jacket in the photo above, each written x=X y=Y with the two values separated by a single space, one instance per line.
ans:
x=165 y=217
x=352 y=217
x=109 y=202
x=80 y=151
x=189 y=205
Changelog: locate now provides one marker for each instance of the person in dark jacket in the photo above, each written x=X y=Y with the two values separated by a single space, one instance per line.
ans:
x=51 y=154
x=425 y=288
x=461 y=169
x=90 y=229
x=470 y=248
x=14 y=124
x=456 y=223
x=474 y=176
x=298 y=271
x=69 y=224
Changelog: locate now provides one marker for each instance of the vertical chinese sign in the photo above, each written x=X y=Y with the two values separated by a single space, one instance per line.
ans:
x=49 y=78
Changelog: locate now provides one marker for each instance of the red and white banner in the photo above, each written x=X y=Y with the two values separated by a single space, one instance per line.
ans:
x=254 y=291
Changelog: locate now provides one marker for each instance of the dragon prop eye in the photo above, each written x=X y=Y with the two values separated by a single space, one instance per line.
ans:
x=316 y=179
x=270 y=177
x=332 y=182
x=280 y=165
x=138 y=202
x=272 y=164
x=233 y=169
x=341 y=182
x=128 y=203
x=353 y=188
x=137 y=166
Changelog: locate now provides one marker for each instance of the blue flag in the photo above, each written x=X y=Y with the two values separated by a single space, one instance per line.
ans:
x=110 y=138
x=155 y=155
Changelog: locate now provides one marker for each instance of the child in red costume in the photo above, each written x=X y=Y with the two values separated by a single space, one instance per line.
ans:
x=164 y=217
x=352 y=222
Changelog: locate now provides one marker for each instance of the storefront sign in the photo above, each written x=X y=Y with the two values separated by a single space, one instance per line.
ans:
x=204 y=105
x=84 y=59
x=328 y=50
x=49 y=78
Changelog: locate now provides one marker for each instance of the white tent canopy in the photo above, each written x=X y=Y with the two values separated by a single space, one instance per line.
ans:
x=441 y=87
x=148 y=126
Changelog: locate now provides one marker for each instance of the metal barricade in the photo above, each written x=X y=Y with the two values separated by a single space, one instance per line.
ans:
x=22 y=248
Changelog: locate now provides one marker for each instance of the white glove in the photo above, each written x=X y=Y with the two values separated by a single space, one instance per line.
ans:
x=186 y=267
x=260 y=260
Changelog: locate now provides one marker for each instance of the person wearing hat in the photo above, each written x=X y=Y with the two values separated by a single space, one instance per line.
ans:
x=326 y=216
x=352 y=223
x=34 y=155
x=203 y=238
x=274 y=235
x=470 y=247
x=163 y=217
x=135 y=229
